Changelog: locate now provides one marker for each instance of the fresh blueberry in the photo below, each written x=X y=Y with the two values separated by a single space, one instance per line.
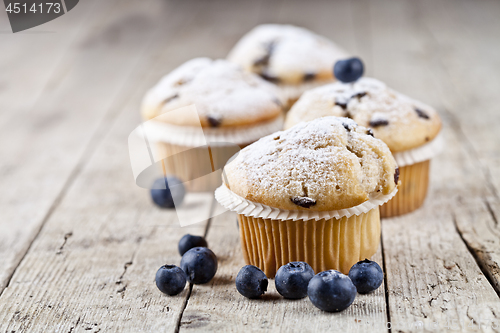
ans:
x=170 y=279
x=251 y=282
x=200 y=265
x=366 y=275
x=166 y=192
x=292 y=279
x=188 y=241
x=331 y=291
x=348 y=70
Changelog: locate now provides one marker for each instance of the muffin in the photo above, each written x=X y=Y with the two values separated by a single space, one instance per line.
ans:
x=202 y=112
x=408 y=127
x=293 y=58
x=310 y=193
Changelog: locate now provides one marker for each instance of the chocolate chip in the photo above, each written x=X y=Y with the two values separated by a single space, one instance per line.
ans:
x=347 y=127
x=421 y=113
x=269 y=78
x=370 y=132
x=213 y=121
x=379 y=122
x=359 y=94
x=170 y=98
x=309 y=77
x=303 y=201
x=396 y=176
x=341 y=102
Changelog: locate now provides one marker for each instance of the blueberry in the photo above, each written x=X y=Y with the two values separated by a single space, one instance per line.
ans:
x=199 y=264
x=188 y=241
x=366 y=275
x=166 y=192
x=170 y=279
x=348 y=70
x=251 y=282
x=331 y=291
x=292 y=279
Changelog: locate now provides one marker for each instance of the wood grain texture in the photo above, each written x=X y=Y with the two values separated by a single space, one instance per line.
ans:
x=45 y=146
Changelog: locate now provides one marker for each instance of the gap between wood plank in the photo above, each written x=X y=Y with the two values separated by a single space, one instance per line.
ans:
x=186 y=300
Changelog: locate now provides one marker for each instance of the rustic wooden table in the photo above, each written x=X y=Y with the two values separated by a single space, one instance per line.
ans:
x=80 y=242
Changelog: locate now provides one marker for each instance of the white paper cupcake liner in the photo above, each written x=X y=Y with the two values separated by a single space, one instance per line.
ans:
x=192 y=136
x=230 y=200
x=420 y=154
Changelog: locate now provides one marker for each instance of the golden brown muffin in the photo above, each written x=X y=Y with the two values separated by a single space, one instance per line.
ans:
x=310 y=193
x=326 y=164
x=401 y=122
x=408 y=127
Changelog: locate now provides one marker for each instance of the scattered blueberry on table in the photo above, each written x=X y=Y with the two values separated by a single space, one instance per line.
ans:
x=331 y=291
x=366 y=275
x=188 y=241
x=170 y=279
x=293 y=278
x=348 y=70
x=251 y=282
x=199 y=264
x=166 y=192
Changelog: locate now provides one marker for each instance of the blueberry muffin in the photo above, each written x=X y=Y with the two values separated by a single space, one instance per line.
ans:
x=408 y=127
x=310 y=193
x=293 y=58
x=202 y=111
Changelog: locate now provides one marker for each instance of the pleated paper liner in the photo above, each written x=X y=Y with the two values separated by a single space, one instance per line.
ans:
x=192 y=154
x=272 y=237
x=414 y=166
x=412 y=190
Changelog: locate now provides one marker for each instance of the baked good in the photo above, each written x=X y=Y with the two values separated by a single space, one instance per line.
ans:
x=408 y=127
x=208 y=108
x=310 y=193
x=293 y=58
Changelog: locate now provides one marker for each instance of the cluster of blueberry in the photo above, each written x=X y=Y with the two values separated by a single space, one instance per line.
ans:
x=329 y=290
x=198 y=266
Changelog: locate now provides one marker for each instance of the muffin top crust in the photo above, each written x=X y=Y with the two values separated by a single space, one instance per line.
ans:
x=401 y=122
x=224 y=95
x=327 y=164
x=286 y=54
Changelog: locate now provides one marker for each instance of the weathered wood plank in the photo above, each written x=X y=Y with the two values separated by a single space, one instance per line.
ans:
x=43 y=149
x=97 y=254
x=218 y=305
x=92 y=266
